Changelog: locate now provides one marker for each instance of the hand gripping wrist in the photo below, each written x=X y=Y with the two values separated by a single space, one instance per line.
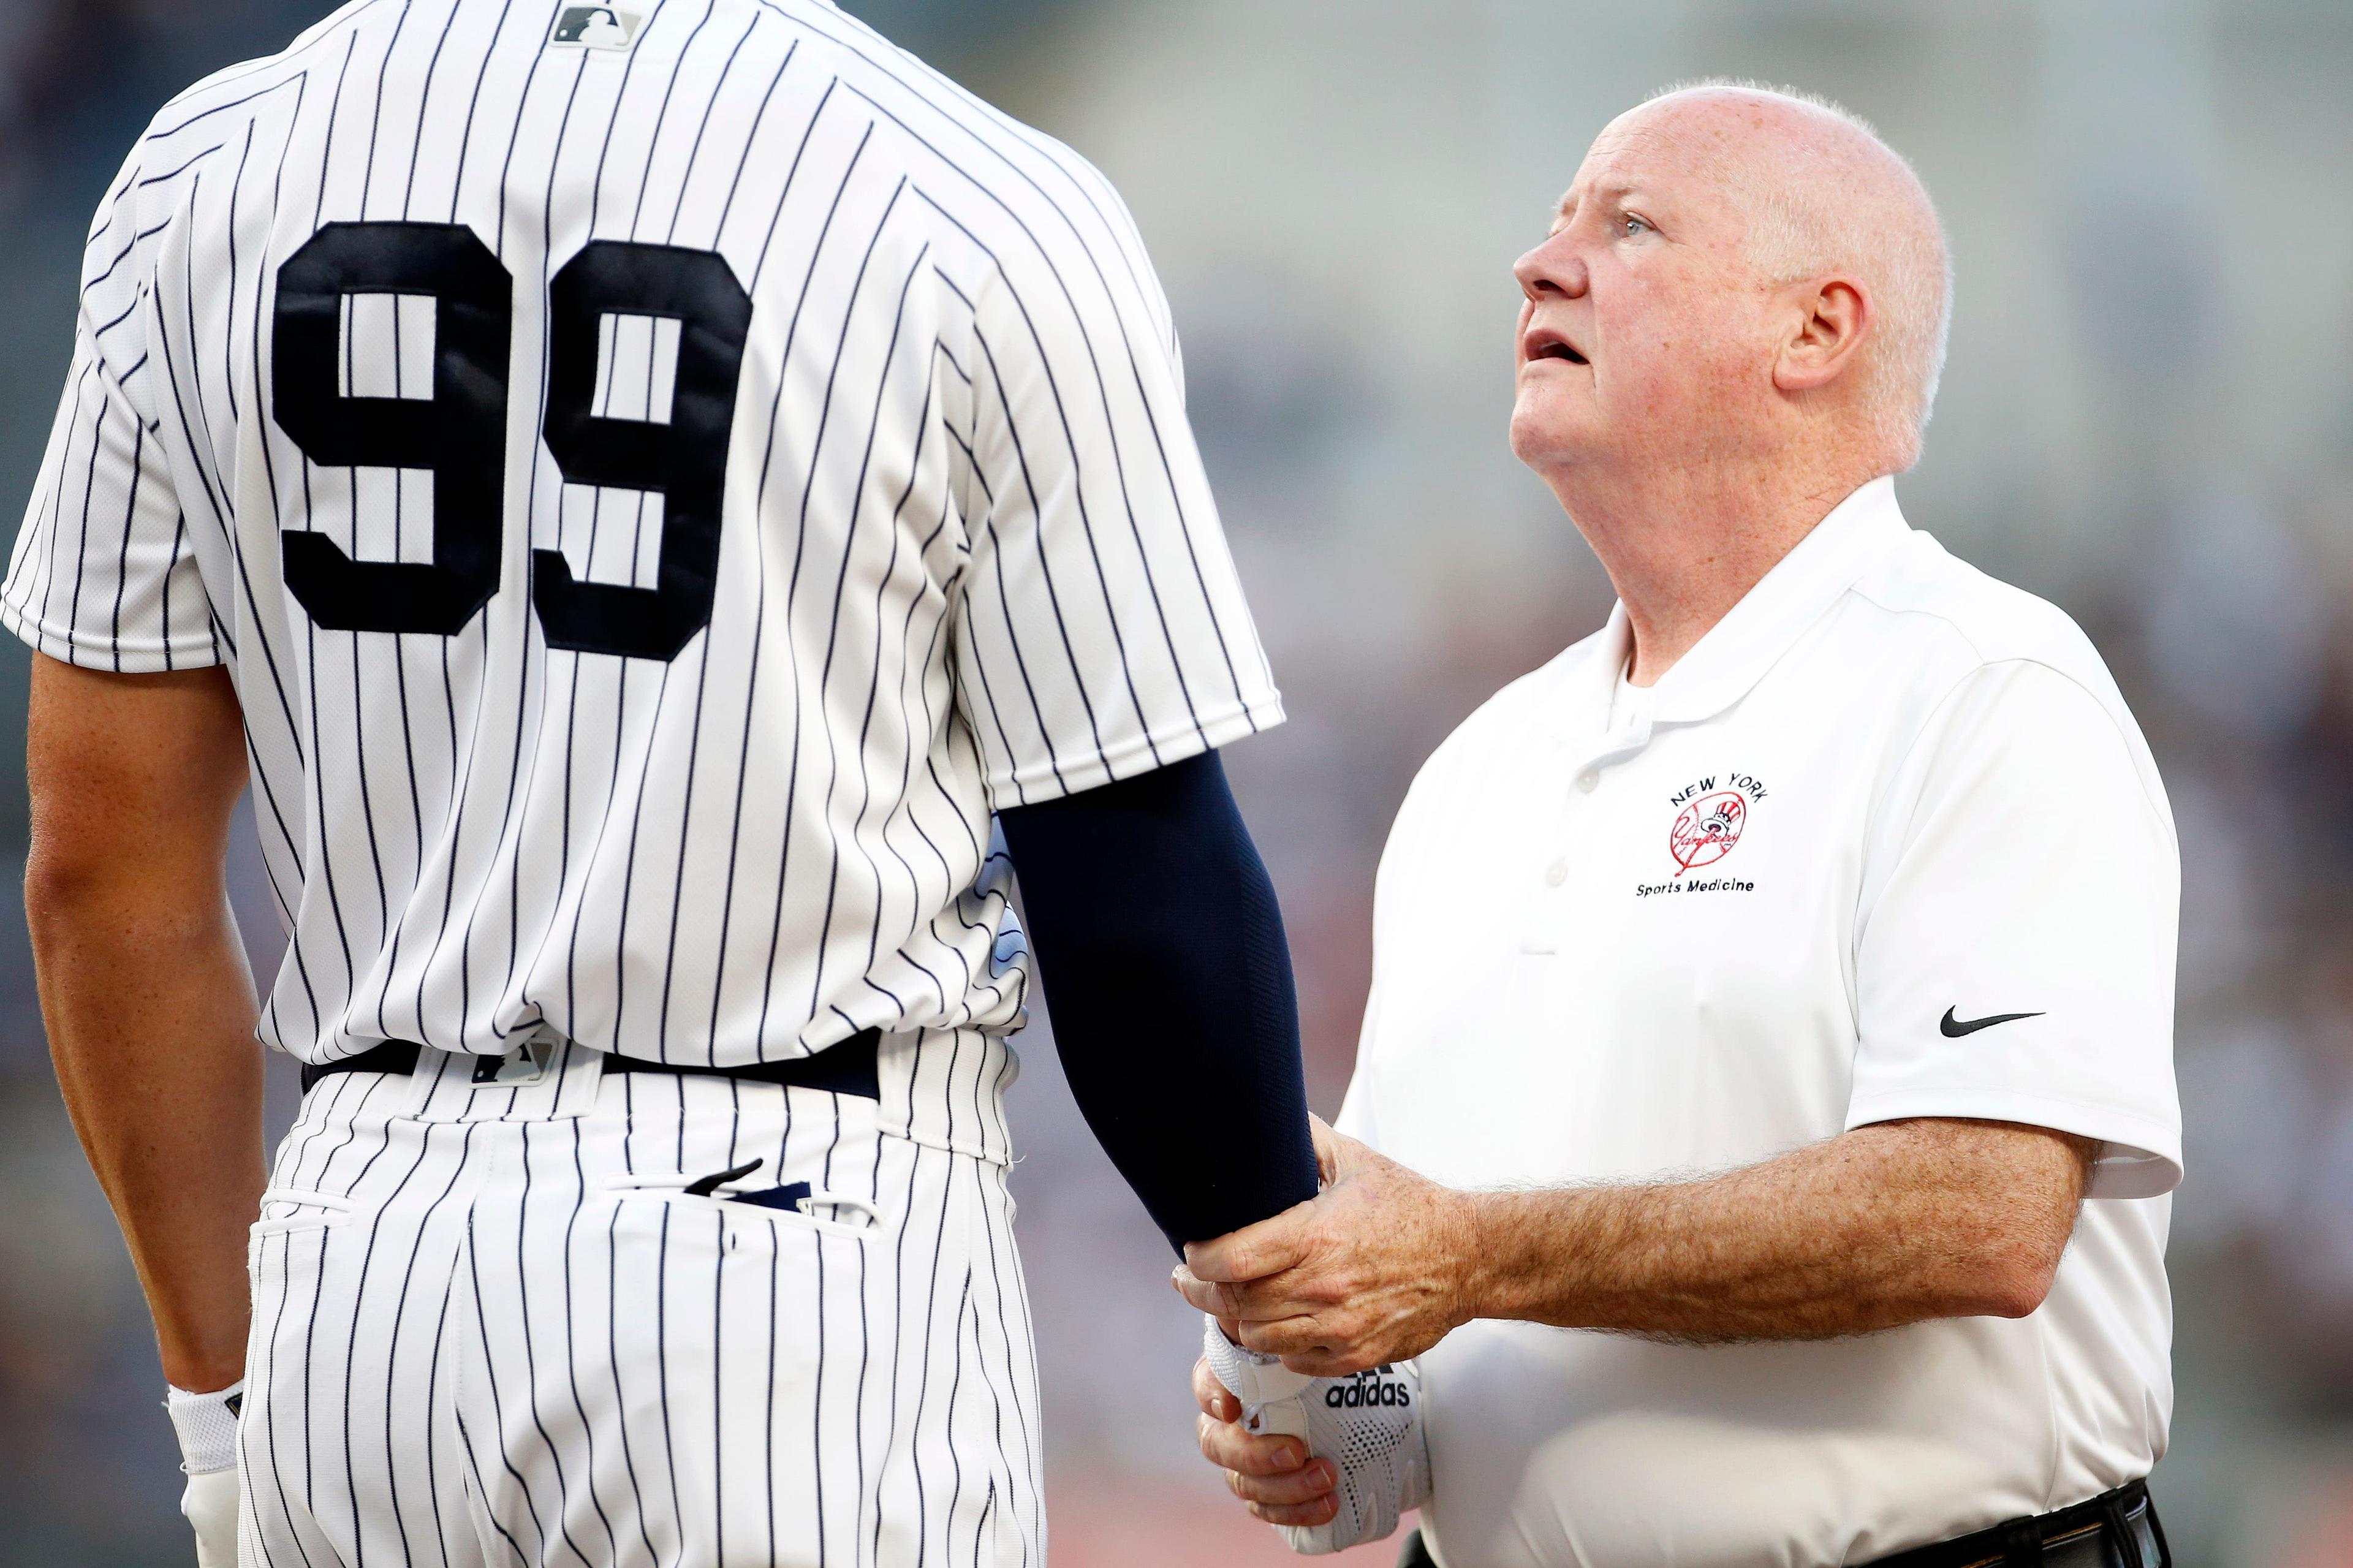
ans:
x=206 y=1424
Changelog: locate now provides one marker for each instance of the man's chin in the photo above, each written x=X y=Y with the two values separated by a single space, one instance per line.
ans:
x=1545 y=441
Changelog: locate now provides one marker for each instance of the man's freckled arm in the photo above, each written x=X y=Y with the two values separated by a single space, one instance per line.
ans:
x=1881 y=1226
x=1887 y=1225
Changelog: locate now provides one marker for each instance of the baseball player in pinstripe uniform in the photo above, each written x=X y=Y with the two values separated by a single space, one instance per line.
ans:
x=643 y=493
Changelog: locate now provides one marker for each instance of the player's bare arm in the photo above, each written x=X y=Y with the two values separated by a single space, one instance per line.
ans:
x=143 y=983
x=150 y=1010
x=1881 y=1226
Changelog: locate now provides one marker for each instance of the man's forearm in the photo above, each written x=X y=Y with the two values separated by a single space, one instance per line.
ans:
x=151 y=1024
x=143 y=981
x=1882 y=1226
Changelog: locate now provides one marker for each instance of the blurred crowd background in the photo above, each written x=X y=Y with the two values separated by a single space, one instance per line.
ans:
x=2148 y=417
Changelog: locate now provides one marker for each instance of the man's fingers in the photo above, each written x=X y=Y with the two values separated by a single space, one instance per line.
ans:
x=1250 y=1315
x=1319 y=1512
x=1291 y=1488
x=1294 y=1337
x=1216 y=1401
x=1203 y=1294
x=1255 y=1251
x=1231 y=1305
x=1229 y=1448
x=1273 y=1473
x=1309 y=1347
x=1321 y=1361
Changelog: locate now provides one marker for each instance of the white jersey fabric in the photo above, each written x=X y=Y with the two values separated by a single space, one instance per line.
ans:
x=1885 y=844
x=658 y=476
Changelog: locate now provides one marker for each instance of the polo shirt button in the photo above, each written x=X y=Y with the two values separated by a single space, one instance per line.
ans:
x=1586 y=780
x=1557 y=873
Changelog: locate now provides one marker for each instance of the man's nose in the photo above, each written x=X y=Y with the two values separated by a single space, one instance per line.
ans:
x=1553 y=267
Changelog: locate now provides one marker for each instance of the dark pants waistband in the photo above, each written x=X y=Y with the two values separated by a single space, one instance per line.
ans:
x=849 y=1068
x=2115 y=1529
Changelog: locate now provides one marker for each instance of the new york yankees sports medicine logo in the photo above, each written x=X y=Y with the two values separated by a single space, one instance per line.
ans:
x=1707 y=830
x=1711 y=821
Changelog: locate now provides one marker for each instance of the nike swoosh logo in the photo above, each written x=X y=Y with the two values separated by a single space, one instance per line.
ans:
x=1954 y=1028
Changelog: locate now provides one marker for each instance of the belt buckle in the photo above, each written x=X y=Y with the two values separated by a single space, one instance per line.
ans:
x=521 y=1067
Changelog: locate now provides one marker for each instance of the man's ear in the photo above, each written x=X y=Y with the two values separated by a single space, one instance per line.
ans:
x=1834 y=315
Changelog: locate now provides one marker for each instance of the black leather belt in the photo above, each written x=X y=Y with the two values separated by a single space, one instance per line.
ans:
x=2115 y=1529
x=848 y=1067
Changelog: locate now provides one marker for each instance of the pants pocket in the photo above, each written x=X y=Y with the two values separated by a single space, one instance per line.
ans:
x=747 y=1203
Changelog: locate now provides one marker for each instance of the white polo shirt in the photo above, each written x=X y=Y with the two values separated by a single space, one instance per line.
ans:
x=1885 y=844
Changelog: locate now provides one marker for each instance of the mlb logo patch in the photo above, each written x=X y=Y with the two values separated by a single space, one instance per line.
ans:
x=595 y=27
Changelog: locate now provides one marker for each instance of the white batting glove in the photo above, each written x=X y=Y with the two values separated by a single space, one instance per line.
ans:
x=206 y=1424
x=1369 y=1425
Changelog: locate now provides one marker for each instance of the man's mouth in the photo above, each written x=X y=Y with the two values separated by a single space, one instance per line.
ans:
x=1544 y=343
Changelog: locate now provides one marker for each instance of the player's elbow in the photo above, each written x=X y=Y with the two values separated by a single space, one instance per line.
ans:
x=80 y=884
x=61 y=881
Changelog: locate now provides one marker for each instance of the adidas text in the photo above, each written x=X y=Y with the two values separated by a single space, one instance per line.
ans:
x=1351 y=1395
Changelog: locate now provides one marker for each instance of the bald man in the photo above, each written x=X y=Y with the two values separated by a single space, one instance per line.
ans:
x=1764 y=1115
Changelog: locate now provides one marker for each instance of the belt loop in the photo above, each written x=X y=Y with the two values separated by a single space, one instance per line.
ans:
x=579 y=1069
x=423 y=1079
x=2112 y=1511
x=2128 y=1540
x=2021 y=1543
x=2157 y=1530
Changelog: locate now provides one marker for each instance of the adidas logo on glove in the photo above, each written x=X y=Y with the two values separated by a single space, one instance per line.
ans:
x=1380 y=1386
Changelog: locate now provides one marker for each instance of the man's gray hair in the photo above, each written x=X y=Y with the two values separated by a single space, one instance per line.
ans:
x=1800 y=230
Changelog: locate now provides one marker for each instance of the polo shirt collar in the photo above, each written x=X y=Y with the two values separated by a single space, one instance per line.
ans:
x=1738 y=649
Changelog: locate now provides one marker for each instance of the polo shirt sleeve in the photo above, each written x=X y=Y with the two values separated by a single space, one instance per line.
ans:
x=1100 y=629
x=2015 y=950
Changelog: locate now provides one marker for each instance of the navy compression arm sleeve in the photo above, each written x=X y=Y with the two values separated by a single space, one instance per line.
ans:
x=1161 y=949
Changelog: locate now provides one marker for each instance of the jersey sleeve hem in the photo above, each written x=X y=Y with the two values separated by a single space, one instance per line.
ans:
x=120 y=656
x=2141 y=1157
x=1053 y=778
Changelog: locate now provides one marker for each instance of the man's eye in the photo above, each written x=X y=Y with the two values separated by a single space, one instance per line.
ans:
x=1630 y=225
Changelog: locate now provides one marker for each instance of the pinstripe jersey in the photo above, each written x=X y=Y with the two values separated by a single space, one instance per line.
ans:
x=658 y=476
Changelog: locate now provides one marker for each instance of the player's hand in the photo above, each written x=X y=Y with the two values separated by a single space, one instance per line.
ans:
x=1271 y=1475
x=1377 y=1267
x=209 y=1504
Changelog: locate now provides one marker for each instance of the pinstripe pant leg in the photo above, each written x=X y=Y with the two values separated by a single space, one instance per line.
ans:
x=562 y=1383
x=346 y=1440
x=620 y=1341
x=960 y=1483
x=1005 y=1352
x=657 y=1378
